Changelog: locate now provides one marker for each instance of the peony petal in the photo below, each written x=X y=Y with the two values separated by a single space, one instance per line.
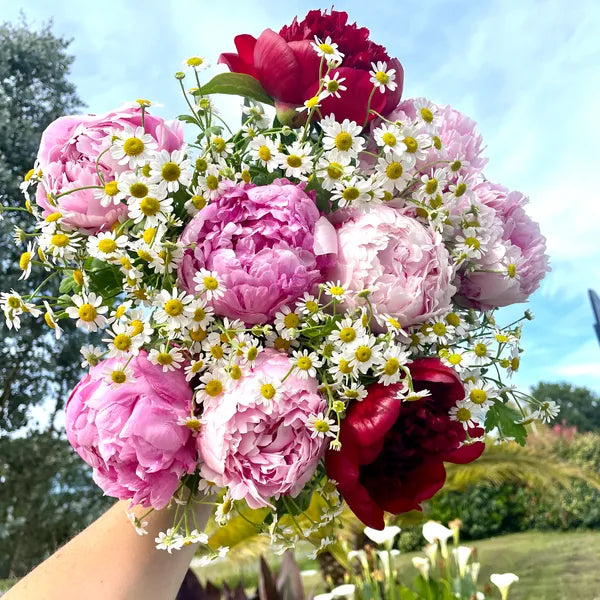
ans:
x=325 y=237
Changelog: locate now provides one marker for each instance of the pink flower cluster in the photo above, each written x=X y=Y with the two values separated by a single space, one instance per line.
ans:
x=72 y=153
x=131 y=436
x=268 y=244
x=262 y=448
x=403 y=263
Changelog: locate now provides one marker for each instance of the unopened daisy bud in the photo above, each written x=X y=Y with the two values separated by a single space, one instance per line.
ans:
x=364 y=293
x=180 y=75
x=78 y=276
x=19 y=235
x=335 y=445
x=528 y=315
x=338 y=406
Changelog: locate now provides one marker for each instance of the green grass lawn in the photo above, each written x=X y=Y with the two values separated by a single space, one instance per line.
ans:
x=550 y=565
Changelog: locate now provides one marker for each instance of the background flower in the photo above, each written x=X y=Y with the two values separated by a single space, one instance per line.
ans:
x=130 y=435
x=403 y=263
x=288 y=67
x=268 y=245
x=262 y=448
x=71 y=147
x=393 y=452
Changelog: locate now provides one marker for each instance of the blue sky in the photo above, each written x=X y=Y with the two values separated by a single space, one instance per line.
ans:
x=528 y=71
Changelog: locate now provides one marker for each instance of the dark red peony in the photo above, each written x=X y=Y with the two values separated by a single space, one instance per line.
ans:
x=393 y=452
x=288 y=67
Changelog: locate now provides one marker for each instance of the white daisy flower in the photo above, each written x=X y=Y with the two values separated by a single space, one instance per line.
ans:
x=195 y=368
x=212 y=385
x=332 y=86
x=133 y=147
x=268 y=391
x=168 y=541
x=152 y=210
x=306 y=363
x=341 y=140
x=211 y=184
x=297 y=162
x=88 y=311
x=92 y=355
x=389 y=137
x=170 y=171
x=382 y=77
x=117 y=375
x=51 y=320
x=106 y=246
x=287 y=323
x=168 y=358
x=209 y=284
x=394 y=172
x=364 y=352
x=121 y=341
x=390 y=365
x=25 y=261
x=547 y=411
x=174 y=308
x=265 y=150
x=328 y=50
x=353 y=192
x=334 y=171
x=321 y=426
x=466 y=413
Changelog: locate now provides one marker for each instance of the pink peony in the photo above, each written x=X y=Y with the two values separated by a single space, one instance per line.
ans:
x=68 y=152
x=268 y=244
x=519 y=242
x=403 y=263
x=457 y=132
x=130 y=436
x=262 y=448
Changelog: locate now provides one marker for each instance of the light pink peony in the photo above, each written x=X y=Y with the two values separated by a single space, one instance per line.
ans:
x=457 y=132
x=130 y=436
x=403 y=263
x=68 y=152
x=519 y=242
x=262 y=448
x=267 y=243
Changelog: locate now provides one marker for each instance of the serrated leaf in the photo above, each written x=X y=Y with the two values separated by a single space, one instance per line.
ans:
x=236 y=84
x=188 y=119
x=503 y=417
x=67 y=285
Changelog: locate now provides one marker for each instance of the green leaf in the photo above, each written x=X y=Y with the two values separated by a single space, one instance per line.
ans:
x=237 y=84
x=68 y=285
x=503 y=417
x=188 y=119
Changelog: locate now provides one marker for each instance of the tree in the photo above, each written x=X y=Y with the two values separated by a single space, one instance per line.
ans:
x=46 y=492
x=579 y=406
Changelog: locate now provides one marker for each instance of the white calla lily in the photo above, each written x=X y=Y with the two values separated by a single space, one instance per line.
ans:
x=503 y=581
x=383 y=536
x=461 y=556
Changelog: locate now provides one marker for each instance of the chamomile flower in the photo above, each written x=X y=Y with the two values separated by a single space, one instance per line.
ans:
x=427 y=113
x=92 y=355
x=394 y=172
x=151 y=210
x=457 y=359
x=328 y=50
x=121 y=341
x=195 y=203
x=353 y=192
x=354 y=391
x=133 y=147
x=265 y=150
x=470 y=244
x=216 y=347
x=440 y=332
x=481 y=354
x=169 y=541
x=170 y=170
x=480 y=393
x=211 y=184
x=389 y=138
x=406 y=394
x=219 y=146
x=142 y=330
x=88 y=311
x=168 y=358
x=364 y=353
x=212 y=385
x=333 y=172
x=225 y=509
x=297 y=161
x=209 y=284
x=25 y=261
x=201 y=314
x=332 y=86
x=110 y=194
x=140 y=526
x=306 y=363
x=466 y=413
x=256 y=114
x=106 y=246
x=60 y=244
x=547 y=411
x=342 y=369
x=198 y=63
x=313 y=102
x=195 y=367
x=117 y=375
x=174 y=308
x=341 y=140
x=334 y=290
x=346 y=332
x=321 y=426
x=390 y=365
x=308 y=306
x=51 y=320
x=383 y=78
x=268 y=391
x=417 y=144
x=287 y=323
x=460 y=326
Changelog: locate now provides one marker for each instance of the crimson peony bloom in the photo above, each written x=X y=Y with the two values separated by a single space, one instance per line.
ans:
x=393 y=452
x=288 y=67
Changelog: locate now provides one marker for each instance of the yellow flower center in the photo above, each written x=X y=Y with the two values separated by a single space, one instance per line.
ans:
x=53 y=217
x=138 y=189
x=511 y=270
x=144 y=255
x=267 y=391
x=291 y=321
x=336 y=290
x=212 y=182
x=461 y=188
x=264 y=153
x=219 y=144
x=382 y=77
x=164 y=358
x=133 y=146
x=214 y=387
x=24 y=260
x=431 y=186
x=14 y=303
x=426 y=115
x=480 y=350
x=394 y=170
x=345 y=367
x=478 y=396
x=439 y=329
x=120 y=311
x=321 y=426
x=389 y=139
x=199 y=202
x=138 y=326
x=246 y=176
x=311 y=306
x=198 y=334
x=111 y=188
x=411 y=144
x=304 y=363
x=217 y=352
x=235 y=372
x=149 y=206
x=453 y=319
x=454 y=359
x=210 y=283
x=87 y=312
x=473 y=242
x=60 y=240
x=149 y=234
x=326 y=48
x=193 y=423
x=199 y=314
x=174 y=307
x=194 y=61
x=107 y=245
x=363 y=353
x=118 y=376
x=352 y=394
x=294 y=161
x=335 y=170
x=201 y=165
x=333 y=86
x=122 y=342
x=343 y=141
x=49 y=320
x=501 y=338
x=252 y=353
x=170 y=171
x=391 y=366
x=515 y=363
x=347 y=334
x=350 y=193
x=463 y=414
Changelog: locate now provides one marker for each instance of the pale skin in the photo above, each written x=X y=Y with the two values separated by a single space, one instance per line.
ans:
x=109 y=560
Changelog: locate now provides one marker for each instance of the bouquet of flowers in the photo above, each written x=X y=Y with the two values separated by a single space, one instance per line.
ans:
x=291 y=313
